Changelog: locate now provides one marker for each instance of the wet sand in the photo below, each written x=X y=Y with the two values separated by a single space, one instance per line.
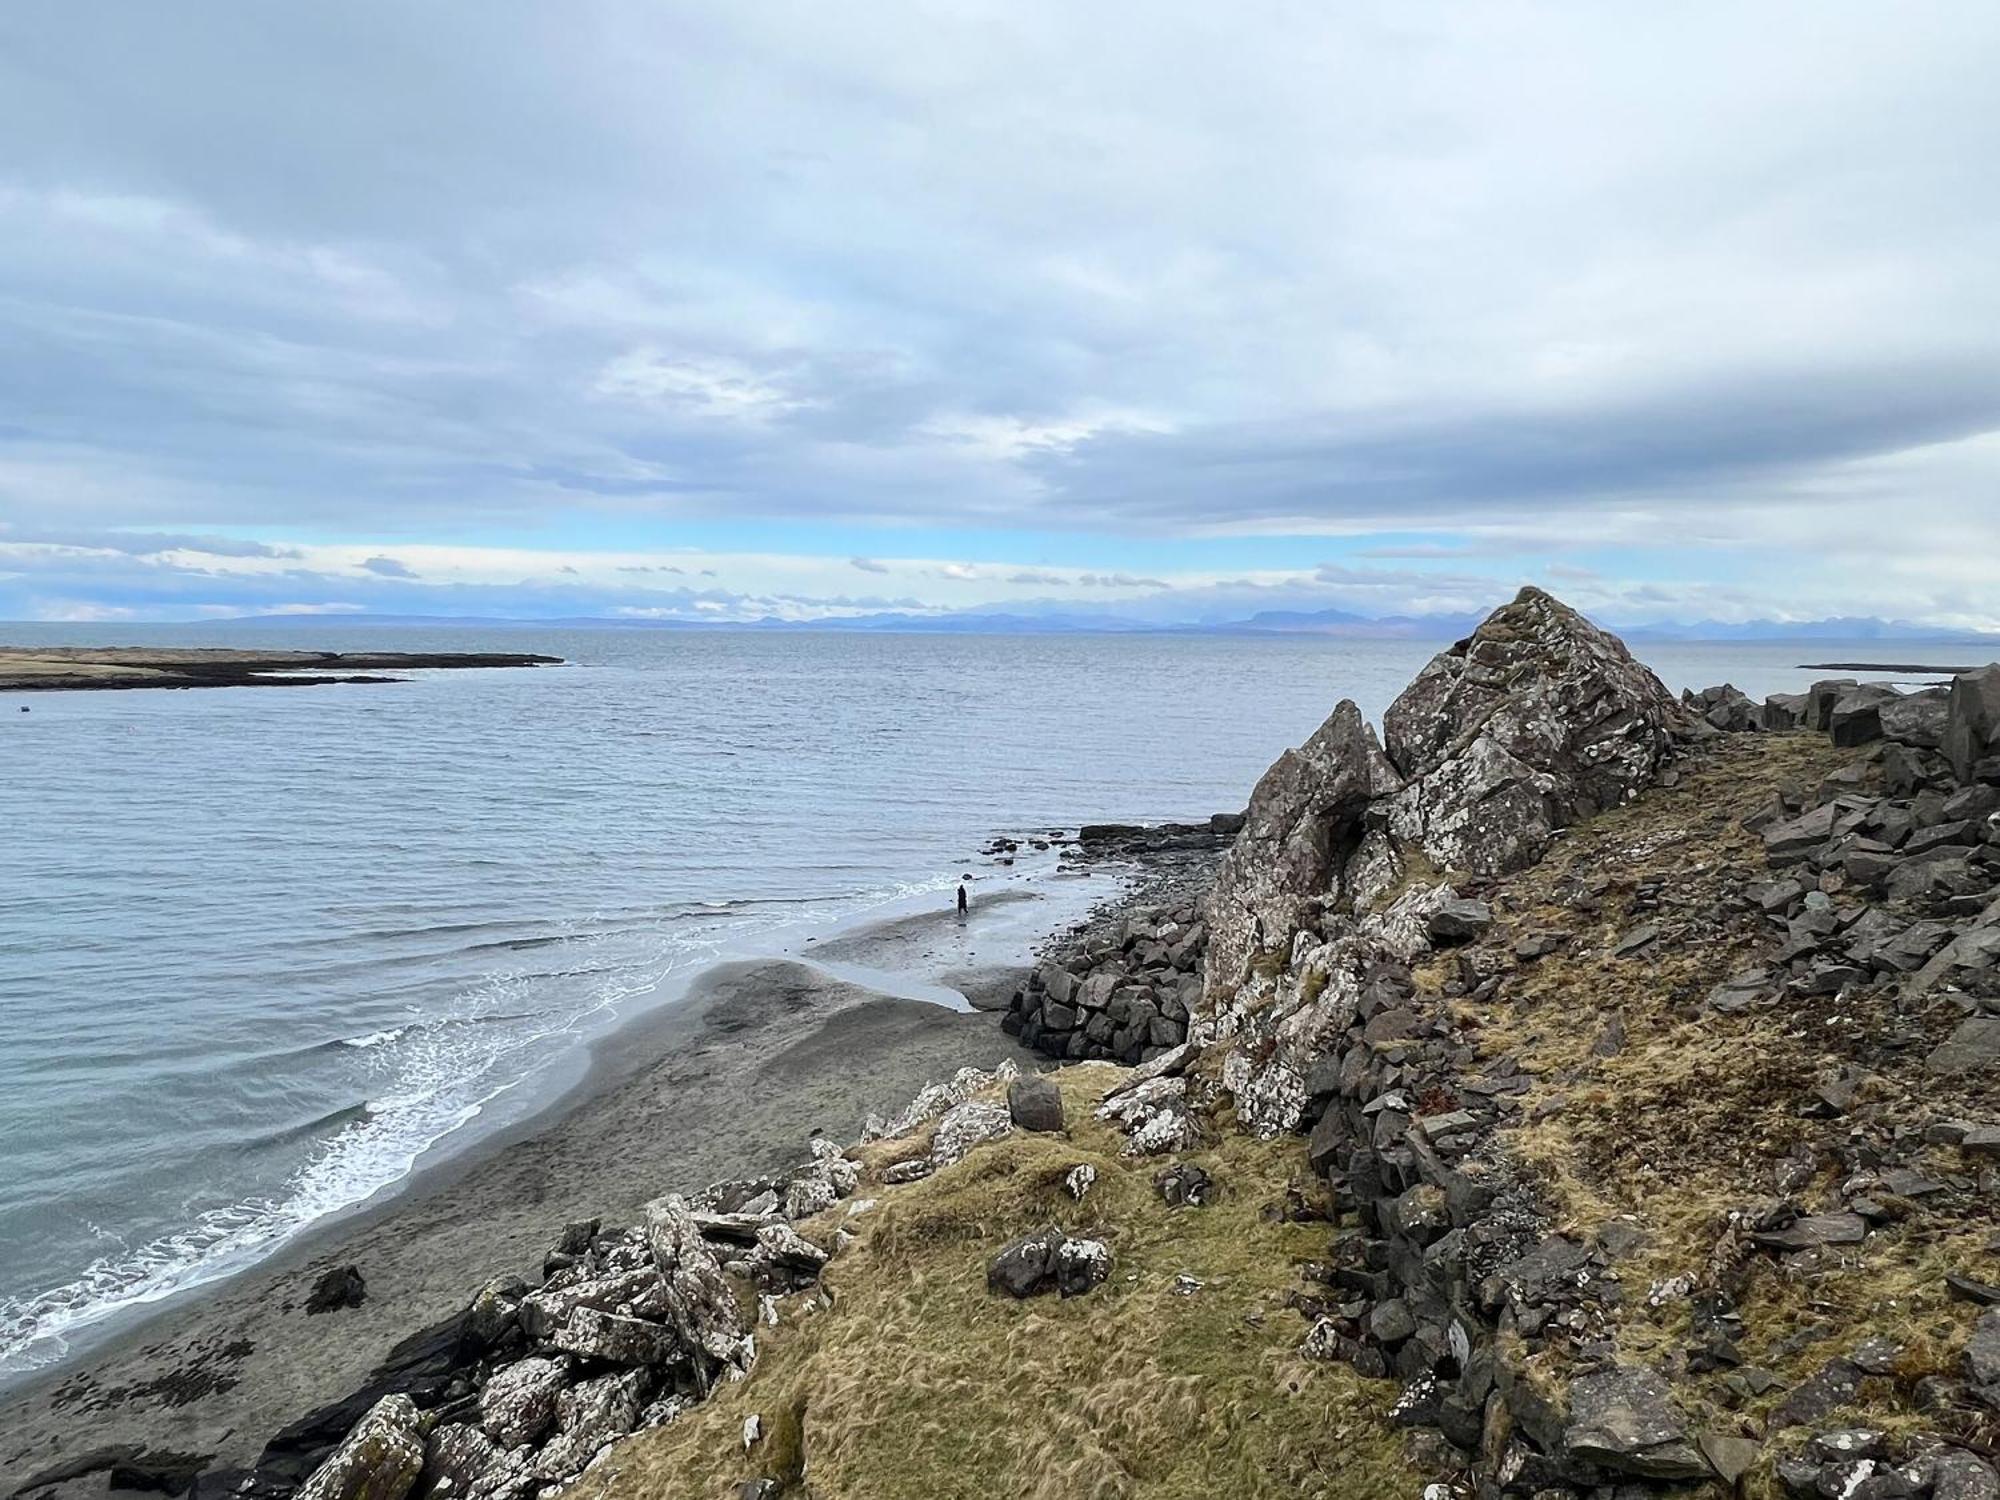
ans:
x=726 y=1083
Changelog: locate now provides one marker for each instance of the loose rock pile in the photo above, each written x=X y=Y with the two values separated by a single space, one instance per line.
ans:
x=1123 y=996
x=628 y=1329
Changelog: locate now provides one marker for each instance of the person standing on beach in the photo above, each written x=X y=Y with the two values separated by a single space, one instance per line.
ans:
x=961 y=898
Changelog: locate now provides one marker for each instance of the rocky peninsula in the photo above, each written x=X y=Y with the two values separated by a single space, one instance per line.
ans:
x=41 y=669
x=1570 y=1092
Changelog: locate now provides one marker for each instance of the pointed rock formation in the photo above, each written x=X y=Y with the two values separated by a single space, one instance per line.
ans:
x=1287 y=865
x=1537 y=719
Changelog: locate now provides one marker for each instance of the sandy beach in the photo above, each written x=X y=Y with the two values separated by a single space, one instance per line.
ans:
x=725 y=1083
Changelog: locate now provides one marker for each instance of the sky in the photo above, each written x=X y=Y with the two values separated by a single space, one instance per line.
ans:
x=1162 y=310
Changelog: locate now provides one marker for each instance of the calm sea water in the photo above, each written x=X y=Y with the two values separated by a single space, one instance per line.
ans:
x=262 y=949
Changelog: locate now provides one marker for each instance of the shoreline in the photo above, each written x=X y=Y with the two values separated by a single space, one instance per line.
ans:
x=54 y=669
x=729 y=1081
x=728 y=1076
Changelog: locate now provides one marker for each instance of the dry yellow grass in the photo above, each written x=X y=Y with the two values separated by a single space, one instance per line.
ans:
x=912 y=1380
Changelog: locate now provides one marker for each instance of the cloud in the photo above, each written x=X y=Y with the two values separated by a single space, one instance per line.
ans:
x=1465 y=292
x=868 y=565
x=388 y=567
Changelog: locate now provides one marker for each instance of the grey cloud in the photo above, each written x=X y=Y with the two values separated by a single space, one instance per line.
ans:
x=1373 y=274
x=389 y=567
x=868 y=565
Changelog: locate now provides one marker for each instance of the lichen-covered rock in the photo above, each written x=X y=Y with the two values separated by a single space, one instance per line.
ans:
x=702 y=1311
x=1304 y=820
x=378 y=1460
x=519 y=1402
x=463 y=1463
x=966 y=1125
x=1537 y=719
x=935 y=1099
x=589 y=1415
x=1049 y=1260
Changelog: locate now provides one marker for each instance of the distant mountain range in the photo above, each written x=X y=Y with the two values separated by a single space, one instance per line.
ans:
x=1325 y=622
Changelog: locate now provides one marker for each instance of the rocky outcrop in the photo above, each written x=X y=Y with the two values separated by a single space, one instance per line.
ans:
x=1348 y=856
x=1288 y=866
x=1538 y=719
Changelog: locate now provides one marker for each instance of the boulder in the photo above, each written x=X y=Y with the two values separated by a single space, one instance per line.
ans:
x=462 y=1463
x=1023 y=1267
x=1856 y=715
x=1049 y=1260
x=1821 y=697
x=340 y=1287
x=519 y=1401
x=1184 y=1186
x=1459 y=920
x=1782 y=711
x=379 y=1460
x=1917 y=719
x=1624 y=1419
x=1305 y=818
x=1080 y=1265
x=1035 y=1103
x=1972 y=721
x=1537 y=719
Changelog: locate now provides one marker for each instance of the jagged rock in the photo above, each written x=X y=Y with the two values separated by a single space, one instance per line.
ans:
x=1537 y=719
x=1625 y=1419
x=1035 y=1103
x=1304 y=820
x=519 y=1401
x=967 y=1125
x=463 y=1463
x=1022 y=1267
x=782 y=1246
x=1079 y=1180
x=702 y=1308
x=379 y=1460
x=1972 y=721
x=1982 y=1351
x=1957 y=1475
x=1918 y=719
x=1814 y=1230
x=937 y=1098
x=612 y=1337
x=1459 y=920
x=1856 y=716
x=589 y=1415
x=342 y=1286
x=495 y=1308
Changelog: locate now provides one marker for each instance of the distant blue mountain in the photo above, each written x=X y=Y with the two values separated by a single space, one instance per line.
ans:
x=1326 y=622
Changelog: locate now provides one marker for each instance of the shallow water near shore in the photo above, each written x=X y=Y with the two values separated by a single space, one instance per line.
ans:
x=263 y=952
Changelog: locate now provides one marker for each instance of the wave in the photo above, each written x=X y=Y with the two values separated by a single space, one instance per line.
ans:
x=433 y=1077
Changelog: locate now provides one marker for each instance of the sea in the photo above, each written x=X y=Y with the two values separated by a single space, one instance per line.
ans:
x=264 y=951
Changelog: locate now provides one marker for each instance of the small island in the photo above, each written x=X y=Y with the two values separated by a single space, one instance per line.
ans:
x=58 y=668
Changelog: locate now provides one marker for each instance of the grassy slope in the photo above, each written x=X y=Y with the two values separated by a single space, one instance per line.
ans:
x=914 y=1380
